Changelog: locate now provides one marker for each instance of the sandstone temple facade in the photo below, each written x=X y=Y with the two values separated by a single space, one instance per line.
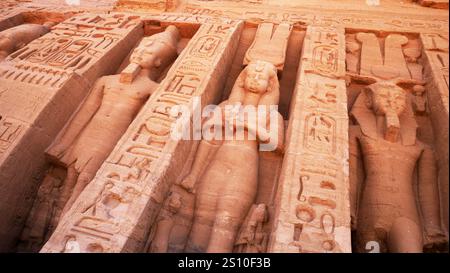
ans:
x=354 y=158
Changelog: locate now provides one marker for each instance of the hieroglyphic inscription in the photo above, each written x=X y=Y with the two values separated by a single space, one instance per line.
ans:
x=45 y=81
x=140 y=159
x=324 y=58
x=10 y=129
x=435 y=51
x=72 y=46
x=320 y=203
x=306 y=17
x=314 y=207
x=320 y=134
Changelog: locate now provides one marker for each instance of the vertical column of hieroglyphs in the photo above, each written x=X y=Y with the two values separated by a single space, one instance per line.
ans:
x=436 y=73
x=40 y=87
x=314 y=209
x=146 y=161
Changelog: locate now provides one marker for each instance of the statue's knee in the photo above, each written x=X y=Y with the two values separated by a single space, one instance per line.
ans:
x=405 y=235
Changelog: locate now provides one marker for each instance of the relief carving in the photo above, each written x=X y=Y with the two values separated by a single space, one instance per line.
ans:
x=363 y=98
x=398 y=57
x=10 y=130
x=104 y=116
x=17 y=37
x=147 y=148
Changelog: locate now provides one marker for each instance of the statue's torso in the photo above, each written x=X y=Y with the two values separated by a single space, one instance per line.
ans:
x=123 y=100
x=119 y=106
x=388 y=189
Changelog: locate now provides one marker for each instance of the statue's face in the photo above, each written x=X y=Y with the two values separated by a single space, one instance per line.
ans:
x=258 y=77
x=388 y=99
x=150 y=53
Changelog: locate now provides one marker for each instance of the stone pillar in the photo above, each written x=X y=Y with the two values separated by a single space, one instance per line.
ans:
x=435 y=52
x=41 y=85
x=147 y=161
x=313 y=213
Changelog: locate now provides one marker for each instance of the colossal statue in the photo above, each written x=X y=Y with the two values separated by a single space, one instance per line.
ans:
x=386 y=207
x=102 y=119
x=109 y=109
x=225 y=172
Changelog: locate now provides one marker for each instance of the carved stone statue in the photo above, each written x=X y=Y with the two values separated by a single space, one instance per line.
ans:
x=387 y=210
x=226 y=171
x=107 y=112
x=164 y=225
x=252 y=238
x=17 y=37
x=419 y=100
x=39 y=222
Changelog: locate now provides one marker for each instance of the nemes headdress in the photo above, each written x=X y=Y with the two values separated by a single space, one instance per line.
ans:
x=367 y=120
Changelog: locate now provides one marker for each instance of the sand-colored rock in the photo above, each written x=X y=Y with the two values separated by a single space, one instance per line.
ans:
x=46 y=80
x=105 y=146
x=146 y=158
x=435 y=51
x=15 y=38
x=386 y=212
x=108 y=110
x=313 y=198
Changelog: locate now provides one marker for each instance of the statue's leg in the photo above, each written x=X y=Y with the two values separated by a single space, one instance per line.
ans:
x=405 y=236
x=204 y=214
x=233 y=205
x=66 y=192
x=86 y=172
x=231 y=211
x=239 y=177
x=83 y=179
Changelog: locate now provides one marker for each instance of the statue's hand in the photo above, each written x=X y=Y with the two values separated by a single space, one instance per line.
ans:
x=188 y=183
x=434 y=237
